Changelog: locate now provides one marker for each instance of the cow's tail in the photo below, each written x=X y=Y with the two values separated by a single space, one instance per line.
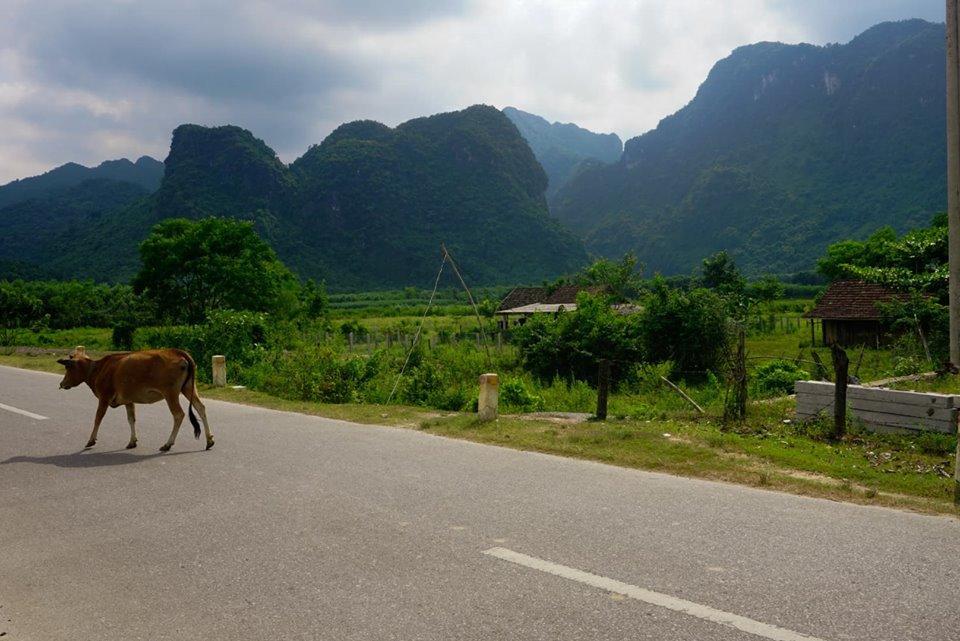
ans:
x=192 y=383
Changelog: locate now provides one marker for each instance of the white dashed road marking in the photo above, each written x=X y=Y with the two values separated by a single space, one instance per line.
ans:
x=17 y=410
x=704 y=612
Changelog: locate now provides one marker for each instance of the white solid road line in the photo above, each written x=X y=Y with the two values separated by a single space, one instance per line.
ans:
x=17 y=410
x=707 y=613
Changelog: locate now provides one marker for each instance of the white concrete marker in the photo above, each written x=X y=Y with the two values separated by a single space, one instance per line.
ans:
x=704 y=612
x=17 y=410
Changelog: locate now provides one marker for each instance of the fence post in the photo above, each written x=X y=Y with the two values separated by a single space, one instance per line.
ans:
x=740 y=373
x=603 y=388
x=489 y=397
x=219 y=371
x=350 y=337
x=500 y=340
x=841 y=365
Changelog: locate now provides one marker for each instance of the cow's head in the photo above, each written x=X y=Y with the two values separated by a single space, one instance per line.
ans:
x=77 y=366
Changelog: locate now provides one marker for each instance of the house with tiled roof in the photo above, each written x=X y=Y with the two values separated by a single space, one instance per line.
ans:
x=849 y=312
x=523 y=302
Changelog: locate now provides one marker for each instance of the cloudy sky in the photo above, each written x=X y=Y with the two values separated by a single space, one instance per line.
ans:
x=87 y=81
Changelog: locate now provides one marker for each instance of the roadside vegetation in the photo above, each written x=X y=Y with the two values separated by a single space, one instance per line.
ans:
x=292 y=346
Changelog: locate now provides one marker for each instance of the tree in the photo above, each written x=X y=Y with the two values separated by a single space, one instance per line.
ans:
x=720 y=273
x=570 y=344
x=623 y=277
x=314 y=302
x=767 y=289
x=688 y=329
x=190 y=268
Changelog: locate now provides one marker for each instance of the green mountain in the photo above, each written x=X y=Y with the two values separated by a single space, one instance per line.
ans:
x=563 y=149
x=784 y=149
x=68 y=232
x=366 y=208
x=146 y=173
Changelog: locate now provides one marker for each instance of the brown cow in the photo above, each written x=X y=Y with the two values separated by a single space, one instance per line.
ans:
x=139 y=377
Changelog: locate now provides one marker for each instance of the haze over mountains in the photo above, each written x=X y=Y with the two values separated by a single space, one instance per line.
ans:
x=784 y=149
x=564 y=149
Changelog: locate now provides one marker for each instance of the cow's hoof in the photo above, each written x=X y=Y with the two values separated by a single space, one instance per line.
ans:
x=209 y=444
x=90 y=444
x=131 y=445
x=165 y=447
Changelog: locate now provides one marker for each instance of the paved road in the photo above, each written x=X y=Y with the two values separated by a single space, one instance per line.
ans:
x=297 y=527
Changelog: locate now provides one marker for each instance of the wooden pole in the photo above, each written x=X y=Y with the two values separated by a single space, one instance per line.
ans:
x=682 y=393
x=603 y=388
x=841 y=365
x=953 y=194
x=953 y=175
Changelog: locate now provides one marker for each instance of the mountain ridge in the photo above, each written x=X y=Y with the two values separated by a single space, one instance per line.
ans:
x=782 y=150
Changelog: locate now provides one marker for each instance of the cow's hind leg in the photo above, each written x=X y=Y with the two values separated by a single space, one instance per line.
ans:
x=194 y=398
x=173 y=402
x=101 y=410
x=132 y=419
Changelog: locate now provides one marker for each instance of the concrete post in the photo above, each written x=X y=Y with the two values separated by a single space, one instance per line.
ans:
x=350 y=337
x=219 y=371
x=489 y=397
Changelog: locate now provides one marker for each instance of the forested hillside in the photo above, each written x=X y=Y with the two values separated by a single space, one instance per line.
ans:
x=146 y=173
x=366 y=208
x=563 y=149
x=784 y=149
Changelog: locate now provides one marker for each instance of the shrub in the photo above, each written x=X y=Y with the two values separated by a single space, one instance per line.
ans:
x=778 y=377
x=513 y=393
x=242 y=337
x=569 y=345
x=122 y=337
x=687 y=328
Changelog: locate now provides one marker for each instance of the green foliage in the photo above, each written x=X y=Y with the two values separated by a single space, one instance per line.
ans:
x=624 y=278
x=778 y=377
x=687 y=328
x=191 y=268
x=67 y=304
x=720 y=273
x=767 y=289
x=243 y=337
x=569 y=345
x=314 y=302
x=514 y=394
x=122 y=336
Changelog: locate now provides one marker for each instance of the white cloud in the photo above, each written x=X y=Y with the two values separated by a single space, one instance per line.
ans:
x=84 y=81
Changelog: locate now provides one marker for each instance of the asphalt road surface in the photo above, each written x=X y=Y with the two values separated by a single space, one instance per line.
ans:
x=297 y=527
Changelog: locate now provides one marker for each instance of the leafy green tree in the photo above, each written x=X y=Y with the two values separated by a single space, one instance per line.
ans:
x=623 y=277
x=314 y=302
x=190 y=268
x=688 y=329
x=570 y=344
x=916 y=261
x=720 y=273
x=767 y=289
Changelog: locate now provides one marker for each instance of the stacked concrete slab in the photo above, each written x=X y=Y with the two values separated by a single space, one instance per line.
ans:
x=883 y=410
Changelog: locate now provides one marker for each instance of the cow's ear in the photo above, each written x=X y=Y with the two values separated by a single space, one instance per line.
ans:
x=66 y=362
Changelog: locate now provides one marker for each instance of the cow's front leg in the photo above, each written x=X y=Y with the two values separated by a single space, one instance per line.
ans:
x=101 y=410
x=132 y=419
